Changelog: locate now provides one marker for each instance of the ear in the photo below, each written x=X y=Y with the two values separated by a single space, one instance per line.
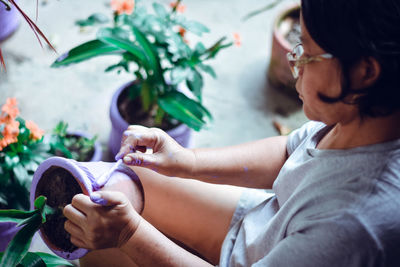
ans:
x=365 y=73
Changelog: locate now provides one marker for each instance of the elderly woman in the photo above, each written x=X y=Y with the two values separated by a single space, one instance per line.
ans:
x=336 y=180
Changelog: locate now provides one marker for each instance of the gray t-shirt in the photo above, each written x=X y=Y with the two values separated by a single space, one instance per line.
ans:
x=330 y=208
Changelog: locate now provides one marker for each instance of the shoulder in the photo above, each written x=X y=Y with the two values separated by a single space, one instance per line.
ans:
x=299 y=135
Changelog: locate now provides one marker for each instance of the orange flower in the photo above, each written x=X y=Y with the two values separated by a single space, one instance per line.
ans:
x=237 y=40
x=182 y=32
x=180 y=8
x=10 y=107
x=123 y=6
x=10 y=134
x=36 y=132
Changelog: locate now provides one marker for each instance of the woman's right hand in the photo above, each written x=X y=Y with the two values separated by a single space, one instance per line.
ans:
x=167 y=156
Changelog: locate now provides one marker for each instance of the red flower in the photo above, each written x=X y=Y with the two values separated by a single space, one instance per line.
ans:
x=237 y=40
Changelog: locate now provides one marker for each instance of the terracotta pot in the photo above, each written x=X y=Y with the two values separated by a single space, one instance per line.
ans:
x=279 y=74
x=182 y=133
x=80 y=176
x=9 y=21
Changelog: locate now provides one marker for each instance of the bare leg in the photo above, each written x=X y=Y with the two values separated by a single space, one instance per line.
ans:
x=195 y=213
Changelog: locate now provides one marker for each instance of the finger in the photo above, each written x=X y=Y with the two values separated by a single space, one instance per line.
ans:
x=110 y=198
x=82 y=203
x=78 y=242
x=73 y=214
x=73 y=229
x=139 y=159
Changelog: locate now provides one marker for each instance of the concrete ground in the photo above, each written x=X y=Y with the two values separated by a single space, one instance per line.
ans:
x=242 y=103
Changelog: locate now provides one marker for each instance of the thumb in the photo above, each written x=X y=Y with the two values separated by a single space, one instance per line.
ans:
x=107 y=198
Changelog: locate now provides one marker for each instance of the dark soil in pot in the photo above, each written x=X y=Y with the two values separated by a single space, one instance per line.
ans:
x=132 y=112
x=59 y=186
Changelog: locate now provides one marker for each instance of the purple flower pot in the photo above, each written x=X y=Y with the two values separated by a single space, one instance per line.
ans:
x=97 y=153
x=7 y=232
x=182 y=133
x=9 y=21
x=86 y=175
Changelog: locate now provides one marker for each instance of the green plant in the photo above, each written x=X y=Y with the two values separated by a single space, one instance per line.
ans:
x=71 y=146
x=17 y=253
x=38 y=33
x=21 y=151
x=153 y=47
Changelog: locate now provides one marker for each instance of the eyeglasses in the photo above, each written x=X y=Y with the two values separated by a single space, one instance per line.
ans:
x=296 y=61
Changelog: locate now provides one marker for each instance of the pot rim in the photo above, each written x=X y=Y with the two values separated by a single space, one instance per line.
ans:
x=83 y=181
x=281 y=15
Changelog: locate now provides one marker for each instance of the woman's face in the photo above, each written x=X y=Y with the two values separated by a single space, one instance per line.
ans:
x=321 y=77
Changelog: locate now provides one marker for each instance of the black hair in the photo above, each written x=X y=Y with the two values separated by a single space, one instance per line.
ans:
x=351 y=30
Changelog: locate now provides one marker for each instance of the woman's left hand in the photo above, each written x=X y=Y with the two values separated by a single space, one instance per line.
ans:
x=111 y=223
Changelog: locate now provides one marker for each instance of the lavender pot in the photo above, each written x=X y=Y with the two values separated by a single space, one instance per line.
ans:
x=7 y=233
x=9 y=21
x=182 y=133
x=86 y=174
x=98 y=152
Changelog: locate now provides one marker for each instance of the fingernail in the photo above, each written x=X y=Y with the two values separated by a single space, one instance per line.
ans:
x=128 y=160
x=119 y=156
x=96 y=198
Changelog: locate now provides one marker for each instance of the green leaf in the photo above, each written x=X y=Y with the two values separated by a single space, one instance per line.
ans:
x=107 y=35
x=150 y=53
x=39 y=203
x=15 y=215
x=195 y=83
x=32 y=260
x=19 y=245
x=179 y=74
x=208 y=69
x=160 y=10
x=184 y=109
x=95 y=19
x=52 y=260
x=86 y=51
x=20 y=173
x=195 y=27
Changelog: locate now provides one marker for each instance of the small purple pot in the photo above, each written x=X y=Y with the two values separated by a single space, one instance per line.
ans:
x=9 y=21
x=97 y=153
x=86 y=174
x=182 y=133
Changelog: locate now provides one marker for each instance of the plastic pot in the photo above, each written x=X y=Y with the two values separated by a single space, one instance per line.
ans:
x=279 y=74
x=59 y=179
x=9 y=21
x=182 y=133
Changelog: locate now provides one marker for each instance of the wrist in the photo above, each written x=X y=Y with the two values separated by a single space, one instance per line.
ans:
x=129 y=230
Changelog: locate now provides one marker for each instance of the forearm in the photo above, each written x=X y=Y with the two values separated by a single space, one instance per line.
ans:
x=255 y=164
x=149 y=247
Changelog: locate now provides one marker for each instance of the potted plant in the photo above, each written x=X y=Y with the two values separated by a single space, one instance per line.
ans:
x=153 y=47
x=59 y=179
x=17 y=253
x=74 y=145
x=286 y=34
x=21 y=151
x=9 y=21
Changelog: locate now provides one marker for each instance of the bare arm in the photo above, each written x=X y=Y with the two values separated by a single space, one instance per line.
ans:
x=255 y=164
